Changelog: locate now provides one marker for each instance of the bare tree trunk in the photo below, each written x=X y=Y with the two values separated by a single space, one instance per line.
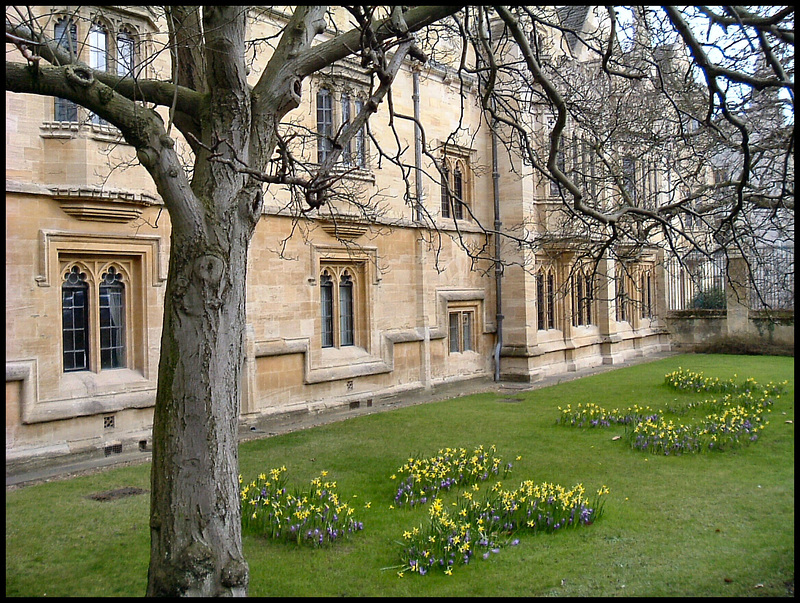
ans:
x=195 y=514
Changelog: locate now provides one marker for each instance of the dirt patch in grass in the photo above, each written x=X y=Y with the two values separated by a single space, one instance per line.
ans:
x=116 y=494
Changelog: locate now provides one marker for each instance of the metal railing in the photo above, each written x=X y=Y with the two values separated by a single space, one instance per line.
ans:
x=697 y=283
x=700 y=282
x=773 y=275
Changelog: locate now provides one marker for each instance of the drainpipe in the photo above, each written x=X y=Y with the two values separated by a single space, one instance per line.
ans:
x=498 y=266
x=425 y=369
x=417 y=148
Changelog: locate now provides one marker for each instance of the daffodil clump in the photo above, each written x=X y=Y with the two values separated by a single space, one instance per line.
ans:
x=734 y=426
x=733 y=420
x=479 y=524
x=593 y=415
x=421 y=479
x=686 y=380
x=315 y=515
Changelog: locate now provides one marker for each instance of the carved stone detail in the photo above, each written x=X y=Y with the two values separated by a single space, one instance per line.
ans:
x=86 y=203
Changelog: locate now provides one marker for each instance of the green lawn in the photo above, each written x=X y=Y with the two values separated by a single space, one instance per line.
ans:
x=712 y=524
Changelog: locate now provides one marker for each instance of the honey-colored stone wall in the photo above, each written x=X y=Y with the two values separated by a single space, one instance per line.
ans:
x=408 y=276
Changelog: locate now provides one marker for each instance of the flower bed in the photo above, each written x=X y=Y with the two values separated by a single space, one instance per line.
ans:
x=733 y=420
x=474 y=526
x=478 y=522
x=426 y=477
x=315 y=515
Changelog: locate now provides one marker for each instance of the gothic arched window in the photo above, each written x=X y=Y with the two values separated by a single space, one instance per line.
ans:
x=112 y=320
x=75 y=320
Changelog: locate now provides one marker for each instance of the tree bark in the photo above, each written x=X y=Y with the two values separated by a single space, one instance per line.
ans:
x=195 y=515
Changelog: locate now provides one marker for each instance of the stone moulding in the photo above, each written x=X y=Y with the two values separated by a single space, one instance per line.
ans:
x=342 y=229
x=150 y=248
x=91 y=204
x=33 y=410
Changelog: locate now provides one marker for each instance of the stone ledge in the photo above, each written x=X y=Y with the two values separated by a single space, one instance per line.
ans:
x=102 y=205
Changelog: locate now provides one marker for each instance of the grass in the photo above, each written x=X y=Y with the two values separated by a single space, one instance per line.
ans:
x=712 y=524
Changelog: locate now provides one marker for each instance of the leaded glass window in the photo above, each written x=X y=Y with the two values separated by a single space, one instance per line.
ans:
x=346 y=310
x=454 y=333
x=621 y=299
x=98 y=57
x=326 y=302
x=75 y=320
x=66 y=36
x=540 y=302
x=347 y=153
x=126 y=54
x=466 y=323
x=445 y=192
x=460 y=331
x=112 y=320
x=361 y=139
x=458 y=191
x=324 y=124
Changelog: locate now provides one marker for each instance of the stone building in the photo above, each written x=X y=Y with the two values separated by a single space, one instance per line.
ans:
x=341 y=309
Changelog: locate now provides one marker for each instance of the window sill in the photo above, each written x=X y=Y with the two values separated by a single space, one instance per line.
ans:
x=89 y=394
x=332 y=364
x=82 y=384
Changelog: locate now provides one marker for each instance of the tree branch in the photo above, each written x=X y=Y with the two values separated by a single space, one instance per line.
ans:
x=151 y=91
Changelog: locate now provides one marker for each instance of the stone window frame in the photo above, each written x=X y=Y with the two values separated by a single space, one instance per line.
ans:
x=355 y=92
x=342 y=335
x=465 y=313
x=456 y=159
x=143 y=259
x=137 y=28
x=95 y=267
x=584 y=311
x=363 y=262
x=546 y=285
